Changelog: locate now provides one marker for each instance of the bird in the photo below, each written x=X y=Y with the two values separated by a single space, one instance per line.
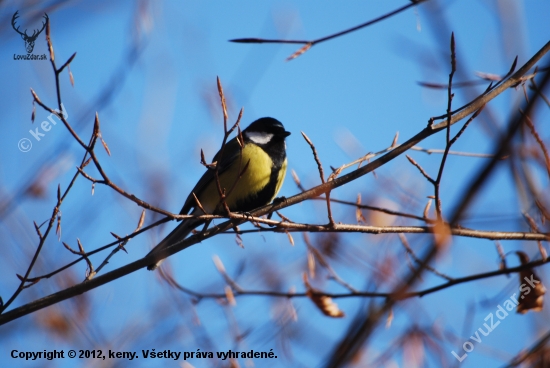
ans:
x=250 y=173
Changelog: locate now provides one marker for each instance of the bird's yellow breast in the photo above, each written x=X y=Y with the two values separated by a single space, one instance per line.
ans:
x=255 y=178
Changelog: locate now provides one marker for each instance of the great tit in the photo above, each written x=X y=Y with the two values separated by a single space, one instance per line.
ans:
x=261 y=164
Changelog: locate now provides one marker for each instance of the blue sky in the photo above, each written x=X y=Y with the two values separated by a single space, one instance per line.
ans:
x=350 y=95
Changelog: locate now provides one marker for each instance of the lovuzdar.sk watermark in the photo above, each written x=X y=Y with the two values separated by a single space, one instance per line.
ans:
x=531 y=288
x=29 y=39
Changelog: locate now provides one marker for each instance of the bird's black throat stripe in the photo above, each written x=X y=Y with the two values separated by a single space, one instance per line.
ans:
x=275 y=149
x=264 y=196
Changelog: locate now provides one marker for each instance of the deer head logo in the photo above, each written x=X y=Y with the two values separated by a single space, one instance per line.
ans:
x=29 y=40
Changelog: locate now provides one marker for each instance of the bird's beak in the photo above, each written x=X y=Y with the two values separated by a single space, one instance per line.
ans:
x=285 y=134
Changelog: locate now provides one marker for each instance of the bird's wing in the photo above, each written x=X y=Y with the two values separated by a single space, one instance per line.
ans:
x=231 y=153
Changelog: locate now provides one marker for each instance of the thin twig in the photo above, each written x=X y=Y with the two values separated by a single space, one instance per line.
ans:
x=540 y=142
x=323 y=262
x=315 y=156
x=422 y=171
x=411 y=253
x=448 y=144
x=321 y=174
x=221 y=269
x=536 y=88
x=429 y=151
x=309 y=44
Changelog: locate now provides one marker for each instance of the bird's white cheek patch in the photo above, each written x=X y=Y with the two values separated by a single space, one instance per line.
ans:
x=259 y=138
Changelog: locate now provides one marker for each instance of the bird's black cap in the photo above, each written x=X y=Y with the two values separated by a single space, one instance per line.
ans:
x=268 y=125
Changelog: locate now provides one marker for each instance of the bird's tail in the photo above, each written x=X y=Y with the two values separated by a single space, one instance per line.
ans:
x=176 y=236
